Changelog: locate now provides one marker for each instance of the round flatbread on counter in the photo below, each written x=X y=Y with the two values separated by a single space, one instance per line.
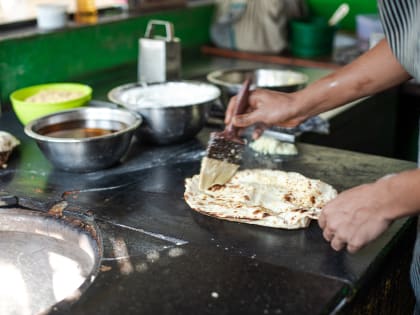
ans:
x=264 y=197
x=7 y=143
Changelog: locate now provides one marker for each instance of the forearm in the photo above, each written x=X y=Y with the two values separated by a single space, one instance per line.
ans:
x=374 y=71
x=403 y=192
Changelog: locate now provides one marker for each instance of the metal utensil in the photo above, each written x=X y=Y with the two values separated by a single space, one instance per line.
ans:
x=281 y=136
x=159 y=57
x=44 y=259
x=283 y=80
x=90 y=153
x=170 y=112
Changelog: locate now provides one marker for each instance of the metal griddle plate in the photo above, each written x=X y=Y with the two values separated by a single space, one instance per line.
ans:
x=43 y=260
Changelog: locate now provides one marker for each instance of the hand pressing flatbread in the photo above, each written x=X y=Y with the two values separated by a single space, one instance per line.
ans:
x=271 y=198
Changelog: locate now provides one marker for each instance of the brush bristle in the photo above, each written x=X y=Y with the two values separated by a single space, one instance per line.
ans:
x=222 y=149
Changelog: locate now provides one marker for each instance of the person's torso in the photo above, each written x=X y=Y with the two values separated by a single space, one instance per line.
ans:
x=401 y=22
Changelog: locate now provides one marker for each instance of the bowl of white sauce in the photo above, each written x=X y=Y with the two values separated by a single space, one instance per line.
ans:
x=282 y=80
x=172 y=111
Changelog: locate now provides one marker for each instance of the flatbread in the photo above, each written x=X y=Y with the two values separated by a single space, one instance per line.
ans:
x=264 y=197
x=7 y=143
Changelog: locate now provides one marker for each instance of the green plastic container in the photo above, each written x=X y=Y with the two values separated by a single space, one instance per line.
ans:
x=27 y=111
x=311 y=37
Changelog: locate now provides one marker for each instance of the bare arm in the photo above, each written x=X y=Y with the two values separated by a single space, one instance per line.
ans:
x=374 y=71
x=361 y=214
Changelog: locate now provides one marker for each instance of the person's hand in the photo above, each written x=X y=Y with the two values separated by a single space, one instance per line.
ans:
x=266 y=108
x=357 y=216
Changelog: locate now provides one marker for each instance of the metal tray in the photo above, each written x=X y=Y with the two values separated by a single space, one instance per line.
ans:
x=44 y=259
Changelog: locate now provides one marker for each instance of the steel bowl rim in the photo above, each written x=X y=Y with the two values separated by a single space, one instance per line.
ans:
x=212 y=76
x=113 y=92
x=38 y=137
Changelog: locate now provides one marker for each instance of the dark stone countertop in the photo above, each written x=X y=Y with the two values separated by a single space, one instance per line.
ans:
x=169 y=259
x=178 y=261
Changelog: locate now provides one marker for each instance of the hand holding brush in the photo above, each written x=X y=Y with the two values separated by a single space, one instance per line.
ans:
x=225 y=148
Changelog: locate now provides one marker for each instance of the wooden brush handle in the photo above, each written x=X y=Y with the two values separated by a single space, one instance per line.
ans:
x=240 y=108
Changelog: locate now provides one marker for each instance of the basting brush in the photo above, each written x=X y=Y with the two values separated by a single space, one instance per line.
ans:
x=225 y=148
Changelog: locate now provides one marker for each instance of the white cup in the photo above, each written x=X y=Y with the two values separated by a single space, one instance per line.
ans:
x=51 y=16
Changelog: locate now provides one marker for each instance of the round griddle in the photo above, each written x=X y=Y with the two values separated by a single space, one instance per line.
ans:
x=44 y=259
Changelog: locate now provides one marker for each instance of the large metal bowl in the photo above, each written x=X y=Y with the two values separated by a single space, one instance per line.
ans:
x=84 y=139
x=172 y=111
x=283 y=80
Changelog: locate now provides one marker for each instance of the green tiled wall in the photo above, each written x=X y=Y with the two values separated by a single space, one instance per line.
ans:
x=74 y=52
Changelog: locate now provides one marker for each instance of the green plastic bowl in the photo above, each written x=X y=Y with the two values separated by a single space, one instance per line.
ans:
x=28 y=111
x=311 y=37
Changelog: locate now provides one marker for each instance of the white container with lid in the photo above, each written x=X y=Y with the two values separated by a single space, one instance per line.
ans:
x=51 y=16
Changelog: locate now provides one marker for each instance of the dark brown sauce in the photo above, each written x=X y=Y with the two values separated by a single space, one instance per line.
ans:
x=79 y=133
x=79 y=130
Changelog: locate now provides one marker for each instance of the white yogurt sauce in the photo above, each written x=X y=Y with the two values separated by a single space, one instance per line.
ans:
x=172 y=94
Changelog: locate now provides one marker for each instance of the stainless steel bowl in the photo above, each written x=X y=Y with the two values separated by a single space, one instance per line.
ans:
x=84 y=139
x=172 y=111
x=230 y=80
